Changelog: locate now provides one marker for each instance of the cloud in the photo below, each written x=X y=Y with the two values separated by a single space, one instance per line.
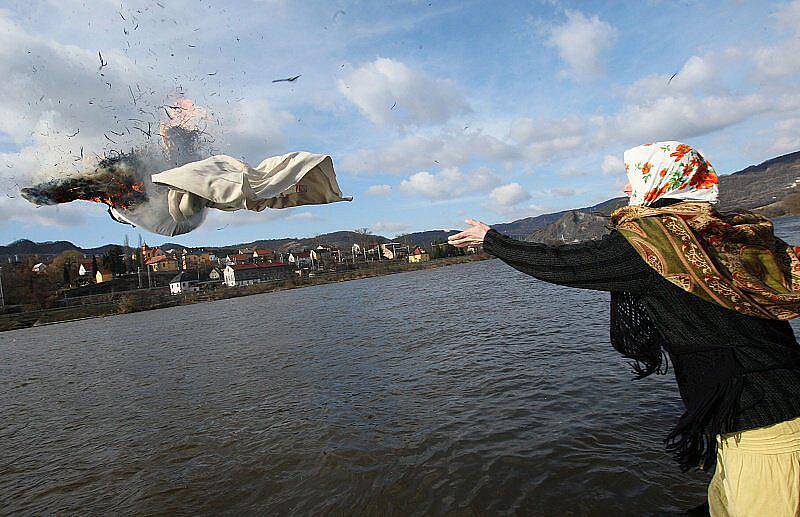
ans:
x=254 y=129
x=388 y=91
x=698 y=74
x=450 y=183
x=778 y=61
x=449 y=148
x=16 y=211
x=679 y=117
x=581 y=41
x=379 y=190
x=388 y=227
x=220 y=218
x=509 y=194
x=784 y=136
x=557 y=192
x=612 y=165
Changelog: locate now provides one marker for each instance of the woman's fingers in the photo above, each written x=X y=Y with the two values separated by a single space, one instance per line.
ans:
x=465 y=241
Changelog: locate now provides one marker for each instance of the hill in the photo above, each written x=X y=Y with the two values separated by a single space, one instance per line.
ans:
x=770 y=188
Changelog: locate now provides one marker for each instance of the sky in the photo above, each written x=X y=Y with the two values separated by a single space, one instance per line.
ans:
x=432 y=110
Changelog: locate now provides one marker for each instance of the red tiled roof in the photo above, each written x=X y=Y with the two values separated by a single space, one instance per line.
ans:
x=158 y=258
x=239 y=267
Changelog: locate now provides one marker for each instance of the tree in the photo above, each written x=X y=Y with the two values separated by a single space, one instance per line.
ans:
x=127 y=250
x=94 y=265
x=64 y=267
x=113 y=260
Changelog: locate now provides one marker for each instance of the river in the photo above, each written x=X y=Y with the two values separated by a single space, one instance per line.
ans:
x=464 y=390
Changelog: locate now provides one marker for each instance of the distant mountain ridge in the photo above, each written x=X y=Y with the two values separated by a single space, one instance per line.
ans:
x=771 y=188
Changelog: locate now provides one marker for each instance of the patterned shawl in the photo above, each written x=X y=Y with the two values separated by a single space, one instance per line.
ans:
x=671 y=170
x=733 y=260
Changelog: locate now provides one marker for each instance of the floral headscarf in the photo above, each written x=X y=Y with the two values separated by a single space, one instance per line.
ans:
x=669 y=170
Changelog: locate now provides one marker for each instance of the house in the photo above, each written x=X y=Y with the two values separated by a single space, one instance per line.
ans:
x=300 y=259
x=85 y=268
x=103 y=275
x=148 y=252
x=162 y=263
x=394 y=250
x=263 y=255
x=321 y=257
x=419 y=255
x=195 y=259
x=239 y=258
x=237 y=275
x=215 y=275
x=183 y=283
x=39 y=267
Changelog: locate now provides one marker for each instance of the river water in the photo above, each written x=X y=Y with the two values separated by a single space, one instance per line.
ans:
x=464 y=390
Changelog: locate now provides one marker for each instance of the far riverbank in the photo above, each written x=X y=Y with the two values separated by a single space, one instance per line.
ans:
x=138 y=301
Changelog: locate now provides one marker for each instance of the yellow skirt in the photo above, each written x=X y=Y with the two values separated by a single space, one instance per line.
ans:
x=757 y=473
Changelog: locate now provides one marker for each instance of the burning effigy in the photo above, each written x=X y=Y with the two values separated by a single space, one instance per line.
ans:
x=170 y=189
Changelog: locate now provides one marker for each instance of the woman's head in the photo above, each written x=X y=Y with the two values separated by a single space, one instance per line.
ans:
x=669 y=170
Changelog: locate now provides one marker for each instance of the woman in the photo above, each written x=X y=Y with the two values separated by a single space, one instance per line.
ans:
x=713 y=293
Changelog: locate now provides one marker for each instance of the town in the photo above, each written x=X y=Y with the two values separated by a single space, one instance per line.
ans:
x=36 y=282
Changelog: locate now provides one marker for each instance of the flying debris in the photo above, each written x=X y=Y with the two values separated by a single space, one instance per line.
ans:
x=671 y=78
x=168 y=188
x=288 y=79
x=393 y=106
x=103 y=63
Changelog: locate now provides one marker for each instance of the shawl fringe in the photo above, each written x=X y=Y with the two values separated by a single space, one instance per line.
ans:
x=693 y=441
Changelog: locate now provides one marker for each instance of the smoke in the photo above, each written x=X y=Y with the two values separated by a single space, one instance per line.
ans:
x=121 y=180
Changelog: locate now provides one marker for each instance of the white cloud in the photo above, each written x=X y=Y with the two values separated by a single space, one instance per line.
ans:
x=788 y=15
x=509 y=194
x=387 y=91
x=680 y=117
x=254 y=129
x=784 y=137
x=781 y=59
x=16 y=211
x=450 y=183
x=379 y=190
x=580 y=42
x=389 y=227
x=218 y=219
x=698 y=74
x=446 y=148
x=612 y=165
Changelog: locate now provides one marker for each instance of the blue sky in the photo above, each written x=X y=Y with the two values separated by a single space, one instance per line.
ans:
x=501 y=110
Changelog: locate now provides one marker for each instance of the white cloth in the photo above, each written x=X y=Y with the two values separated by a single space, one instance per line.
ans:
x=669 y=170
x=225 y=183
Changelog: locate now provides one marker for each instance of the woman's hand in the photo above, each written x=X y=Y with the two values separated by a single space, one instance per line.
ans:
x=472 y=236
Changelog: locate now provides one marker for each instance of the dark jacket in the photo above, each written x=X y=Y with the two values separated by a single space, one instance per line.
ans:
x=734 y=372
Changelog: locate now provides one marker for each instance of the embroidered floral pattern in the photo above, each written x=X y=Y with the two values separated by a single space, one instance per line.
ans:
x=669 y=169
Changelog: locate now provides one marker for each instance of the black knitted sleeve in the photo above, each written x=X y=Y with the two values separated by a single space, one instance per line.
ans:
x=609 y=264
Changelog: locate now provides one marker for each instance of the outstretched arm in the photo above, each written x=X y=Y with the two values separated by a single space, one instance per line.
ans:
x=610 y=264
